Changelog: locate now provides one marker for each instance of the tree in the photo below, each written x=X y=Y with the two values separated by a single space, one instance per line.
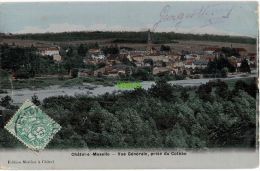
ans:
x=218 y=64
x=35 y=100
x=142 y=74
x=23 y=62
x=162 y=90
x=82 y=50
x=183 y=58
x=224 y=72
x=251 y=88
x=73 y=60
x=204 y=91
x=165 y=48
x=184 y=95
x=176 y=138
x=149 y=61
x=105 y=126
x=74 y=73
x=230 y=51
x=111 y=50
x=240 y=85
x=128 y=71
x=9 y=141
x=222 y=89
x=244 y=66
x=6 y=101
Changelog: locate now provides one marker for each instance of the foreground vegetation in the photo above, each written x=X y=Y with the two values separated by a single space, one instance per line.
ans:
x=212 y=115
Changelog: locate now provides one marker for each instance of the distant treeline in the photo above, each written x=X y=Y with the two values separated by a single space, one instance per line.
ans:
x=131 y=37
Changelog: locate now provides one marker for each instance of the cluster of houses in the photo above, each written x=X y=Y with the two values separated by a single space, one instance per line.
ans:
x=159 y=61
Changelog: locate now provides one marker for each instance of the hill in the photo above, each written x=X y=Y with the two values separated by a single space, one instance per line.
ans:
x=130 y=37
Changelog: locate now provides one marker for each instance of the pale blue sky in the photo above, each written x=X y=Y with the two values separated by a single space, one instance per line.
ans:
x=233 y=18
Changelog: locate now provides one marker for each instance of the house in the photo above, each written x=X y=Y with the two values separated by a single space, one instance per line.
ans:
x=210 y=50
x=113 y=71
x=147 y=64
x=200 y=64
x=189 y=64
x=155 y=58
x=160 y=70
x=49 y=51
x=85 y=72
x=137 y=58
x=242 y=51
x=94 y=50
x=139 y=64
x=178 y=64
x=124 y=51
x=57 y=58
x=159 y=64
x=253 y=59
x=112 y=62
x=208 y=58
x=99 y=72
x=99 y=56
x=96 y=54
x=137 y=53
x=192 y=56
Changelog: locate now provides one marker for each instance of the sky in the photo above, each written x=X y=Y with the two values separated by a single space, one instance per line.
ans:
x=224 y=18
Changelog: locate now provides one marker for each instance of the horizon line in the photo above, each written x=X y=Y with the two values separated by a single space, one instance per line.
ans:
x=89 y=31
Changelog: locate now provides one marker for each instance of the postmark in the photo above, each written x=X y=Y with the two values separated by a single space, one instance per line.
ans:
x=32 y=126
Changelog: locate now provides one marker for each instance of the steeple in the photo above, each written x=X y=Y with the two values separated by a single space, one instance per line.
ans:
x=149 y=38
x=149 y=42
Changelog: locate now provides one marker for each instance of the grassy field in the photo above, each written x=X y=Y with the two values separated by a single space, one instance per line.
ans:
x=32 y=83
x=105 y=81
x=191 y=45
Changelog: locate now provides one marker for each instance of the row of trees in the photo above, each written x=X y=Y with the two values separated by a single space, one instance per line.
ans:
x=25 y=62
x=219 y=67
x=164 y=116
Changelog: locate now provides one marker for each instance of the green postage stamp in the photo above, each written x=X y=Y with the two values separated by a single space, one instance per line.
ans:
x=32 y=126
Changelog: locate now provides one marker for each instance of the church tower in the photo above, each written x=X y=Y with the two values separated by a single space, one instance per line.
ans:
x=149 y=43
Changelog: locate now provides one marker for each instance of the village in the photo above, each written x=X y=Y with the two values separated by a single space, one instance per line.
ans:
x=157 y=61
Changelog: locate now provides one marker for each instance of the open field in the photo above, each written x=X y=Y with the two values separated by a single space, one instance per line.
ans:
x=195 y=45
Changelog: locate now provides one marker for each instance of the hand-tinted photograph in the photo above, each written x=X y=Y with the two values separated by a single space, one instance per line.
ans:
x=110 y=81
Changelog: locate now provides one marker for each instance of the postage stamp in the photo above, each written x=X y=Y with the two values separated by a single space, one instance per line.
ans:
x=32 y=126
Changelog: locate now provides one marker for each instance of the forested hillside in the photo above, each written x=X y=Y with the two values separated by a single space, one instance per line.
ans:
x=131 y=37
x=210 y=116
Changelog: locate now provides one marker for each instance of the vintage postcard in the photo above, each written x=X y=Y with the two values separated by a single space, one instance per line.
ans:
x=129 y=85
